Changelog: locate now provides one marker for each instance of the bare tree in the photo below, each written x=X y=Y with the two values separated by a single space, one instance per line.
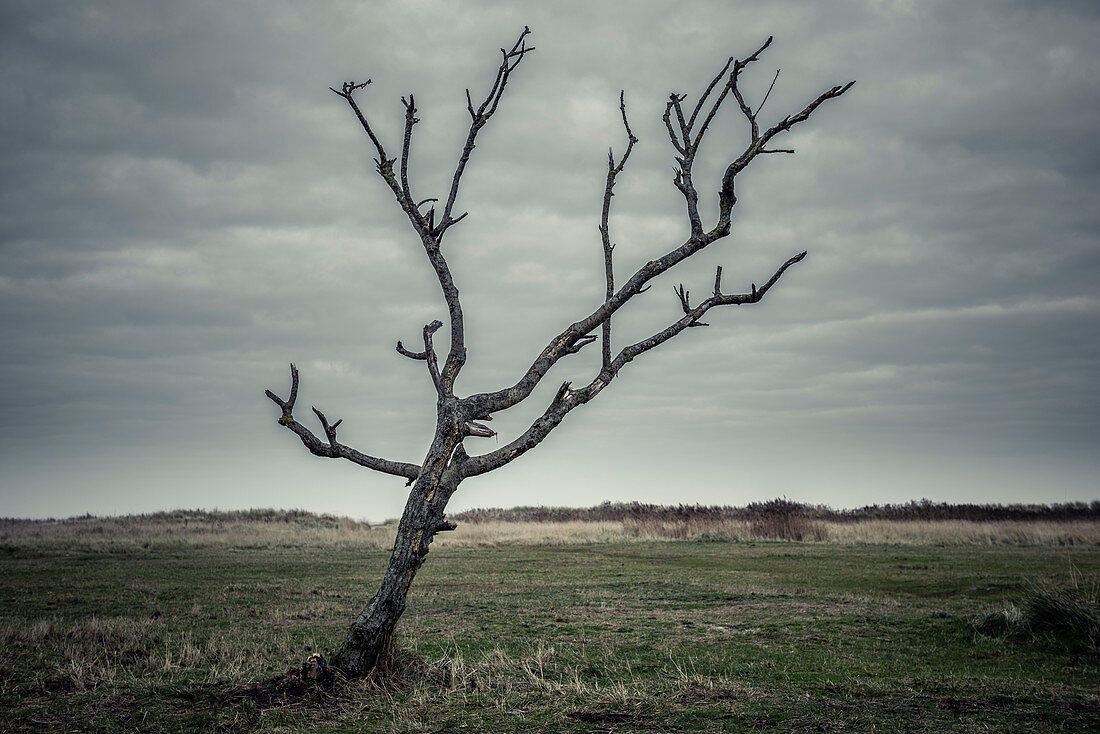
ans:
x=447 y=462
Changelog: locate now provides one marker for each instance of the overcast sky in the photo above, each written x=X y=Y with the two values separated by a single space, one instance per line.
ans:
x=186 y=209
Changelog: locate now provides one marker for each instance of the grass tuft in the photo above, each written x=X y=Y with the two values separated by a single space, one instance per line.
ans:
x=1068 y=614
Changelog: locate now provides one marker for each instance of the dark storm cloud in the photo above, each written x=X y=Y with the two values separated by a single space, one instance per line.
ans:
x=186 y=207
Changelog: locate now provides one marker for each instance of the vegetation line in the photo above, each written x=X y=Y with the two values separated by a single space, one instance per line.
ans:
x=915 y=523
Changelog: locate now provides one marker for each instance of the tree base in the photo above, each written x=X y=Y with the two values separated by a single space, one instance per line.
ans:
x=316 y=680
x=313 y=679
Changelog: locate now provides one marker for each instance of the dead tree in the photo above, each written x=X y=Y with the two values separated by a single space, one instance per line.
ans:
x=447 y=462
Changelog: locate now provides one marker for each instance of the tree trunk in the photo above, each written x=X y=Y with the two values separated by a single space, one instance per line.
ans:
x=369 y=638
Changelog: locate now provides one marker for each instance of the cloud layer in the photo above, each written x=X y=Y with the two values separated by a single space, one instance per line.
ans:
x=186 y=208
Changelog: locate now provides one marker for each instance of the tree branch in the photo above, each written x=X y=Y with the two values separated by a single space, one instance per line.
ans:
x=330 y=431
x=731 y=83
x=425 y=227
x=692 y=315
x=428 y=355
x=540 y=429
x=333 y=449
x=411 y=355
x=478 y=119
x=410 y=120
x=584 y=341
x=686 y=141
x=684 y=296
x=456 y=357
x=767 y=94
x=429 y=351
x=613 y=170
x=384 y=163
x=568 y=398
x=710 y=88
x=727 y=197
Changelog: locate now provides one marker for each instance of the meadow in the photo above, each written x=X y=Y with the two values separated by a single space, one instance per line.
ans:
x=612 y=621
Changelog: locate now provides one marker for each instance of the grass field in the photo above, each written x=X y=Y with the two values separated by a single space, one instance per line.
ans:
x=141 y=628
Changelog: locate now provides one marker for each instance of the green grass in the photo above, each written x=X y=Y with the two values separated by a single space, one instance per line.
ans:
x=641 y=636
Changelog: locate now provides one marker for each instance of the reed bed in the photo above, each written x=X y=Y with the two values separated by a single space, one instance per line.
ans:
x=277 y=529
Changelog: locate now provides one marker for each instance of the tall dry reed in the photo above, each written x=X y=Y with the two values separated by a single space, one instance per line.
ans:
x=767 y=521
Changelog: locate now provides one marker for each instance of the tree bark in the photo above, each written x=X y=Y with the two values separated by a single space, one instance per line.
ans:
x=370 y=636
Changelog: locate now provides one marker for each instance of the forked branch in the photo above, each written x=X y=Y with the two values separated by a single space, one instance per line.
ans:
x=686 y=138
x=727 y=197
x=568 y=398
x=332 y=449
x=478 y=119
x=693 y=314
x=425 y=224
x=686 y=134
x=383 y=163
x=685 y=303
x=330 y=431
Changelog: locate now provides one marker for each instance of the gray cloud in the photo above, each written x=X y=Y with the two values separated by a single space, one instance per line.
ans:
x=186 y=208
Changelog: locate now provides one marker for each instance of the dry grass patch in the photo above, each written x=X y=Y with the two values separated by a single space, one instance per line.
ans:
x=545 y=673
x=179 y=530
x=966 y=532
x=64 y=655
x=533 y=533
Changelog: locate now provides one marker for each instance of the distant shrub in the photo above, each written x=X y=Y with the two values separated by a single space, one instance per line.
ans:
x=917 y=510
